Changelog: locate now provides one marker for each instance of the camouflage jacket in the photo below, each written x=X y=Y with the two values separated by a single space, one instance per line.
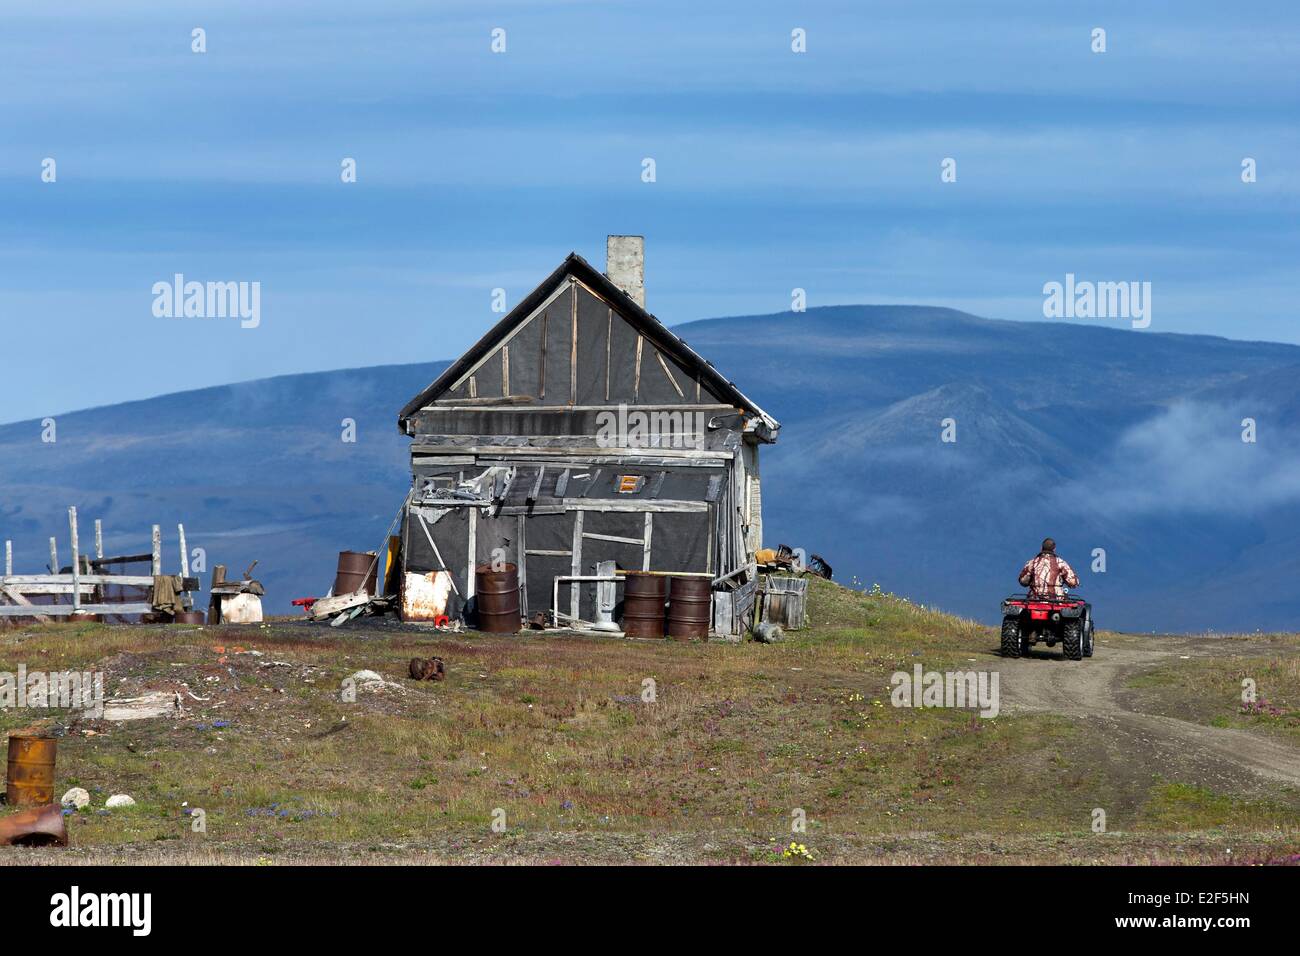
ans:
x=1045 y=574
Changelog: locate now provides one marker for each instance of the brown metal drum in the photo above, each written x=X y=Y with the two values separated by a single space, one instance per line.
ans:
x=497 y=594
x=689 y=603
x=29 y=779
x=643 y=605
x=189 y=617
x=357 y=570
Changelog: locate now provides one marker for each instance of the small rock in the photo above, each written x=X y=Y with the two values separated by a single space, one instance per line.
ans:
x=119 y=800
x=766 y=633
x=76 y=797
x=373 y=683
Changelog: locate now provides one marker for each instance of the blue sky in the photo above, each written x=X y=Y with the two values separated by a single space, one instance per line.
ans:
x=477 y=170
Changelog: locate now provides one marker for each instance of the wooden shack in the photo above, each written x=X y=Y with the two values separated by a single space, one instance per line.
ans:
x=581 y=430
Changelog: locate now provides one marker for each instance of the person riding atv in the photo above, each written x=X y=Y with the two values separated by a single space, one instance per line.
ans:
x=1047 y=612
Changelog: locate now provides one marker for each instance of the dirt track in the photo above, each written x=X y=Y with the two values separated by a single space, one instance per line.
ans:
x=1145 y=745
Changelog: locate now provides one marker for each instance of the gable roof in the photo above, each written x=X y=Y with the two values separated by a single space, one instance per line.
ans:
x=654 y=330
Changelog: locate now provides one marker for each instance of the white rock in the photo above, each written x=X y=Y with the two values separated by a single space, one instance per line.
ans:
x=76 y=797
x=119 y=800
x=373 y=683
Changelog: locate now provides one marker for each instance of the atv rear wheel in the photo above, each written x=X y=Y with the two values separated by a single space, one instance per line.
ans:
x=1013 y=641
x=1072 y=640
x=1087 y=639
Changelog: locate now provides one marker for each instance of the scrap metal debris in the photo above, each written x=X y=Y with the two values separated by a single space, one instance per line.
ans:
x=235 y=602
x=39 y=826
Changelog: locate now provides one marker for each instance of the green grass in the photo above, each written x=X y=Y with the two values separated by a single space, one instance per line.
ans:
x=552 y=731
x=1208 y=690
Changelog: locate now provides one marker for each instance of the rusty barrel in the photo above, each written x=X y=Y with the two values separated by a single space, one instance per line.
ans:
x=689 y=603
x=29 y=779
x=643 y=605
x=497 y=595
x=357 y=570
x=188 y=617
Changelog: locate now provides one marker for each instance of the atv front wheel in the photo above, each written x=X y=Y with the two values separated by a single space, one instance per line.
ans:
x=1072 y=640
x=1012 y=639
x=1087 y=640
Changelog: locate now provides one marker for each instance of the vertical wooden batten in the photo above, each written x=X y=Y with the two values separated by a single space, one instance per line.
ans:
x=573 y=354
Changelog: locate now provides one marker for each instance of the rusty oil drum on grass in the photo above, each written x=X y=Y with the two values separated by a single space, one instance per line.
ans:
x=497 y=595
x=643 y=605
x=29 y=779
x=357 y=570
x=689 y=605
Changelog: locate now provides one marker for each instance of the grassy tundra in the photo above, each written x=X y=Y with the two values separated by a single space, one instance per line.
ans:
x=551 y=738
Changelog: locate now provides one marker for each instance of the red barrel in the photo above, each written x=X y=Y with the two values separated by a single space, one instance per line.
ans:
x=497 y=594
x=643 y=605
x=690 y=601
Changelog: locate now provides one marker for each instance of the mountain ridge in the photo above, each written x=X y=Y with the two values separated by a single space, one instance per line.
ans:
x=1104 y=438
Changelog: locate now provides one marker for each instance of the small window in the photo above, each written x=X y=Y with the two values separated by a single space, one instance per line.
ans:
x=630 y=484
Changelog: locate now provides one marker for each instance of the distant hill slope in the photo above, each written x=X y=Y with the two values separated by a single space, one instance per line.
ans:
x=1104 y=438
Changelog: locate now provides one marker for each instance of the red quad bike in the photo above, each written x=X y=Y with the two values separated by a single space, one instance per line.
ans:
x=1028 y=620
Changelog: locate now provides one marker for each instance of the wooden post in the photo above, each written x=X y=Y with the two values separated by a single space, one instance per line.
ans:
x=54 y=556
x=157 y=551
x=99 y=538
x=9 y=558
x=185 y=562
x=76 y=561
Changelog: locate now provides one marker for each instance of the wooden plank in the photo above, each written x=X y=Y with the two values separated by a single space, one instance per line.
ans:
x=636 y=379
x=185 y=557
x=126 y=580
x=611 y=537
x=464 y=405
x=121 y=559
x=479 y=404
x=76 y=560
x=30 y=589
x=505 y=371
x=609 y=349
x=473 y=553
x=575 y=566
x=99 y=539
x=645 y=539
x=9 y=558
x=573 y=354
x=717 y=457
x=54 y=556
x=157 y=551
x=522 y=569
x=541 y=375
x=18 y=599
x=548 y=554
x=664 y=365
x=66 y=610
x=666 y=507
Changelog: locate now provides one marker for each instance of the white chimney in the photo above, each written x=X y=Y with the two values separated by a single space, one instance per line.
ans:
x=625 y=265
